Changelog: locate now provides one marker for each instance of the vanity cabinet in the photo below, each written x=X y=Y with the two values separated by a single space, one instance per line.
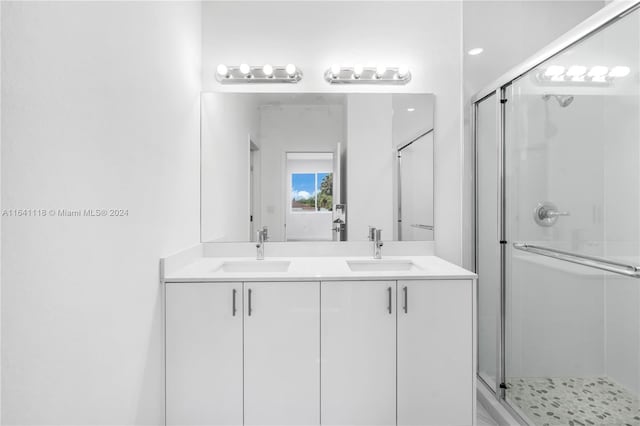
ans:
x=358 y=353
x=435 y=347
x=203 y=354
x=243 y=353
x=377 y=352
x=397 y=353
x=281 y=353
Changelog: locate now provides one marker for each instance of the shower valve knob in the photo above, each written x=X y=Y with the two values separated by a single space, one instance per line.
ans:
x=546 y=214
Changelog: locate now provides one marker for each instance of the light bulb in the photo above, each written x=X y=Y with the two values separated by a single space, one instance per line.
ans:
x=619 y=72
x=290 y=69
x=598 y=71
x=245 y=69
x=576 y=71
x=267 y=70
x=335 y=70
x=554 y=71
x=357 y=70
x=380 y=71
x=403 y=70
x=475 y=51
x=222 y=70
x=411 y=109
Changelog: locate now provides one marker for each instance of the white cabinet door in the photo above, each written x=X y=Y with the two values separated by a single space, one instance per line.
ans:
x=435 y=353
x=358 y=353
x=282 y=353
x=204 y=354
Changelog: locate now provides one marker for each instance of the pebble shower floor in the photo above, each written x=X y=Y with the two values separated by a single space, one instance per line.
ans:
x=573 y=401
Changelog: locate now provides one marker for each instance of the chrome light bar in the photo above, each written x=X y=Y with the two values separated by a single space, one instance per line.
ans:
x=245 y=73
x=367 y=75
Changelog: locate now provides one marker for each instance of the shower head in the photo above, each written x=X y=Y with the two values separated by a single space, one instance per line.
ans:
x=563 y=100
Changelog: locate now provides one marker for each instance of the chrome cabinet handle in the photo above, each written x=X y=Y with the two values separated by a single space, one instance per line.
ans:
x=389 y=306
x=233 y=302
x=406 y=299
x=249 y=302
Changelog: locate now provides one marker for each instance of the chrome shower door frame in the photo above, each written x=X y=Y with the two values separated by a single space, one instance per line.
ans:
x=600 y=20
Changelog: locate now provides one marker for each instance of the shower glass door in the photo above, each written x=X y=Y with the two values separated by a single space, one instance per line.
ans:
x=572 y=154
x=487 y=240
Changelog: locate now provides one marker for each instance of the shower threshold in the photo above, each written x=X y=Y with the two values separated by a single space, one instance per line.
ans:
x=574 y=401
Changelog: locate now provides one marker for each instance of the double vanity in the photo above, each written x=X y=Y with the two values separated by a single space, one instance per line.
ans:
x=286 y=314
x=311 y=336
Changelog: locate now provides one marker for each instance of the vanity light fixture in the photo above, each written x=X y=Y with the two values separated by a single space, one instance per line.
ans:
x=357 y=70
x=475 y=51
x=619 y=71
x=359 y=74
x=222 y=70
x=580 y=75
x=577 y=72
x=267 y=73
x=335 y=70
x=245 y=69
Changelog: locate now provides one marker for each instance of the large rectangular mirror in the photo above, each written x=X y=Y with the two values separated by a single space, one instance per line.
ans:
x=316 y=166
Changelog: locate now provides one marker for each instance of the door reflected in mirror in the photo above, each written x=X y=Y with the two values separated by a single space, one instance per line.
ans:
x=316 y=167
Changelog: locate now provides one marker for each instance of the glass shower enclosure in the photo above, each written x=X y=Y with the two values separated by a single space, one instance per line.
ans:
x=557 y=146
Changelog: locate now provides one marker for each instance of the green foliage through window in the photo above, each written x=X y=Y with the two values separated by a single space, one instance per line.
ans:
x=311 y=192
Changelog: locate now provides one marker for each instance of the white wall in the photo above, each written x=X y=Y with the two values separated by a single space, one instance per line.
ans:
x=228 y=124
x=313 y=35
x=100 y=109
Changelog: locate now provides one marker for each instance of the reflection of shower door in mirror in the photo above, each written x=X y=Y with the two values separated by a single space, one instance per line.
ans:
x=253 y=153
x=339 y=222
x=310 y=196
x=415 y=189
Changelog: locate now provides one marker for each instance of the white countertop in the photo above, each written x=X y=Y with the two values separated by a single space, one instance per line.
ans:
x=207 y=269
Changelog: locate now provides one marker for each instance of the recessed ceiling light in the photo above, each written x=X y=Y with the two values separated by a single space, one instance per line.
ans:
x=475 y=51
x=411 y=109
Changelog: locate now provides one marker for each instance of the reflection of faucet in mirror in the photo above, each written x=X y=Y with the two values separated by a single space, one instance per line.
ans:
x=339 y=224
x=262 y=237
x=372 y=237
x=377 y=244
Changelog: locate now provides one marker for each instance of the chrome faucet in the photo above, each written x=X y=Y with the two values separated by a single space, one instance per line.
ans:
x=377 y=244
x=262 y=237
x=372 y=237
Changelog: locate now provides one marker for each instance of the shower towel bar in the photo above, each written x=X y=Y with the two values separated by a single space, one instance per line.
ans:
x=580 y=259
x=417 y=225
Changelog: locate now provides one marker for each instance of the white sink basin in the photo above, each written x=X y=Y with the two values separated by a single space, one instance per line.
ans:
x=254 y=266
x=382 y=265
